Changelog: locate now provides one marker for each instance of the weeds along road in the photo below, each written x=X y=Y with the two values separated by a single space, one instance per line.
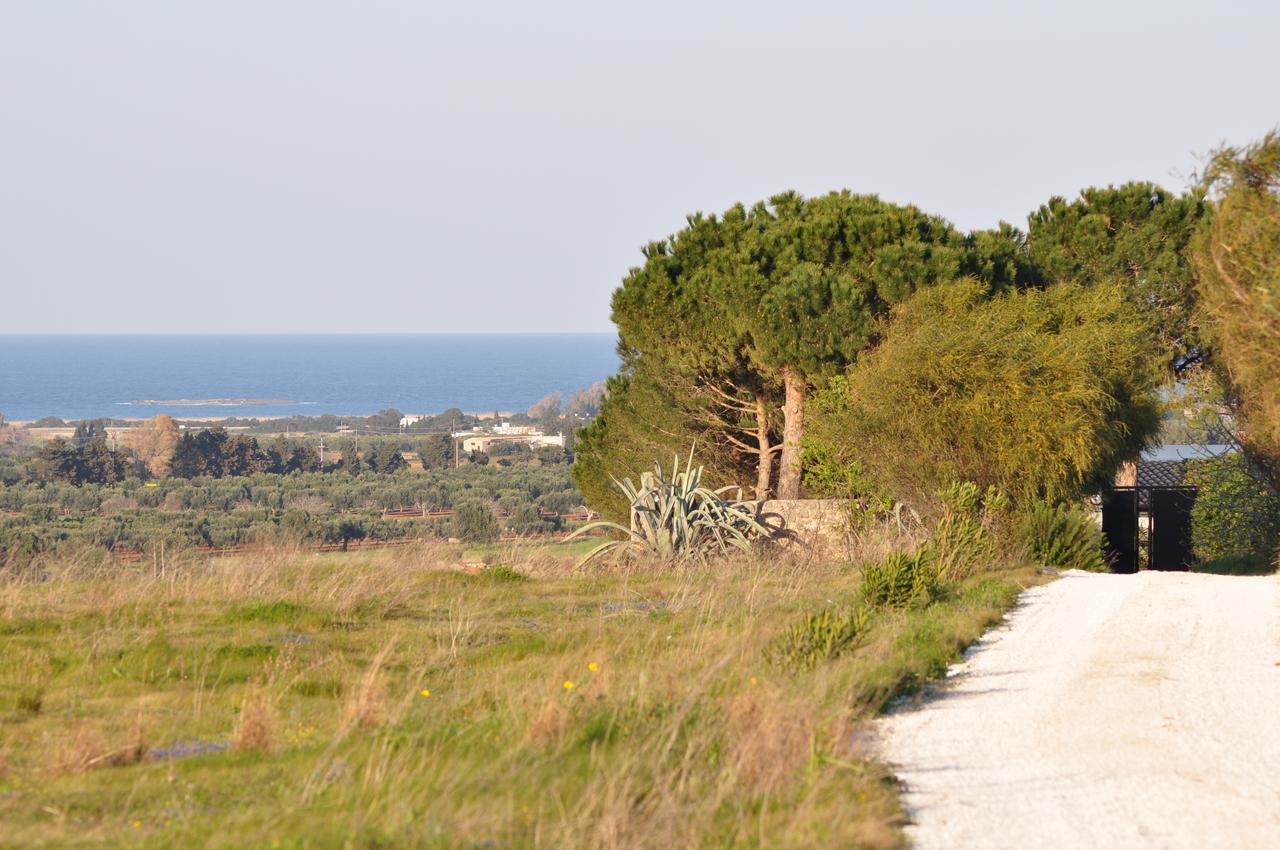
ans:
x=1137 y=711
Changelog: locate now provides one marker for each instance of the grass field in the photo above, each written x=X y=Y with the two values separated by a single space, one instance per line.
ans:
x=387 y=699
x=510 y=552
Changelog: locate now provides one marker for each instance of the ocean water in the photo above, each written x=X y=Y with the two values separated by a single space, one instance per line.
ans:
x=77 y=377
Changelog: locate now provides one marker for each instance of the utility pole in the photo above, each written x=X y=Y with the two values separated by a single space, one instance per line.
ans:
x=321 y=450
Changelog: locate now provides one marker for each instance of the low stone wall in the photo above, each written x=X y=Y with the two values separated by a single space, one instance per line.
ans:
x=806 y=520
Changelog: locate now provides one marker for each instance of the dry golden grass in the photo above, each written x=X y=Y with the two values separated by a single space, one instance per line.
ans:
x=546 y=728
x=770 y=740
x=257 y=725
x=364 y=707
x=87 y=749
x=387 y=699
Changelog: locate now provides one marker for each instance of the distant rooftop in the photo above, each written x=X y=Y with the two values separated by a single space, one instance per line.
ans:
x=1179 y=451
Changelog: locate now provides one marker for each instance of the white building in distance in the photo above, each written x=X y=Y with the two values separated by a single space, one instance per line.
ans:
x=480 y=442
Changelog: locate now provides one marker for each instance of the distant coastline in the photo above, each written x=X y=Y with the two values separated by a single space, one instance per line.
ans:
x=231 y=422
x=211 y=377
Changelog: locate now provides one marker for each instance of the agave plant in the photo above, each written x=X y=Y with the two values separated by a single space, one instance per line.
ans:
x=675 y=517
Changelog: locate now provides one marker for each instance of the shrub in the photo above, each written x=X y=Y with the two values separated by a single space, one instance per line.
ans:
x=1039 y=393
x=829 y=473
x=901 y=580
x=525 y=519
x=1236 y=514
x=1060 y=536
x=1237 y=565
x=475 y=522
x=549 y=454
x=962 y=538
x=817 y=638
x=505 y=573
x=503 y=448
x=963 y=546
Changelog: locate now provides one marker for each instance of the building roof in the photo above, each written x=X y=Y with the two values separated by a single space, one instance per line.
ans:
x=1161 y=473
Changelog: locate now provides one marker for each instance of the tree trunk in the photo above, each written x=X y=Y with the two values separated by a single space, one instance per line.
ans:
x=792 y=431
x=764 y=467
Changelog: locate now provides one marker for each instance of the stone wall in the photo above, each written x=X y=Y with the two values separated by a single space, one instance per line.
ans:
x=807 y=520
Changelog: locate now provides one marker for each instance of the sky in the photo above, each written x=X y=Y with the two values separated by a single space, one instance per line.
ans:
x=263 y=166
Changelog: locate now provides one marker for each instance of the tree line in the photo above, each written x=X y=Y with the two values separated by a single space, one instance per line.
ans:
x=847 y=343
x=158 y=449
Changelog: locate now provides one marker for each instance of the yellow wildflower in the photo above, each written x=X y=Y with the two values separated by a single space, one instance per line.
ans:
x=426 y=693
x=593 y=667
x=568 y=684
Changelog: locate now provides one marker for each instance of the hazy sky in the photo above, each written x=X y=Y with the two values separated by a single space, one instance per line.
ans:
x=480 y=166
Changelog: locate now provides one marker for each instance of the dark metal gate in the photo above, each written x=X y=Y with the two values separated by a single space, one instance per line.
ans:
x=1167 y=515
x=1120 y=529
x=1171 y=528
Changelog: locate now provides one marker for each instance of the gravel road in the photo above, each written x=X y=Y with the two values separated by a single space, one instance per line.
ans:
x=1138 y=711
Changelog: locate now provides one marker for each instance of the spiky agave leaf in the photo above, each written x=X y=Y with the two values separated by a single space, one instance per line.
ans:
x=673 y=516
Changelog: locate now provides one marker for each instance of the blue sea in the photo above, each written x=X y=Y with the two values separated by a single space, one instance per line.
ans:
x=79 y=377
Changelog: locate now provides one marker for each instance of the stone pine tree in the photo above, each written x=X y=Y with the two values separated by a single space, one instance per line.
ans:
x=1138 y=233
x=817 y=277
x=686 y=346
x=999 y=257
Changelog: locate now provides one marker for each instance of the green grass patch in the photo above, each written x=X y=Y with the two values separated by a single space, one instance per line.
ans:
x=29 y=626
x=326 y=688
x=278 y=612
x=246 y=651
x=633 y=708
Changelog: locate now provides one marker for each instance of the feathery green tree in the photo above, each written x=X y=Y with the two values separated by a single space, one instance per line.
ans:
x=1237 y=255
x=1041 y=392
